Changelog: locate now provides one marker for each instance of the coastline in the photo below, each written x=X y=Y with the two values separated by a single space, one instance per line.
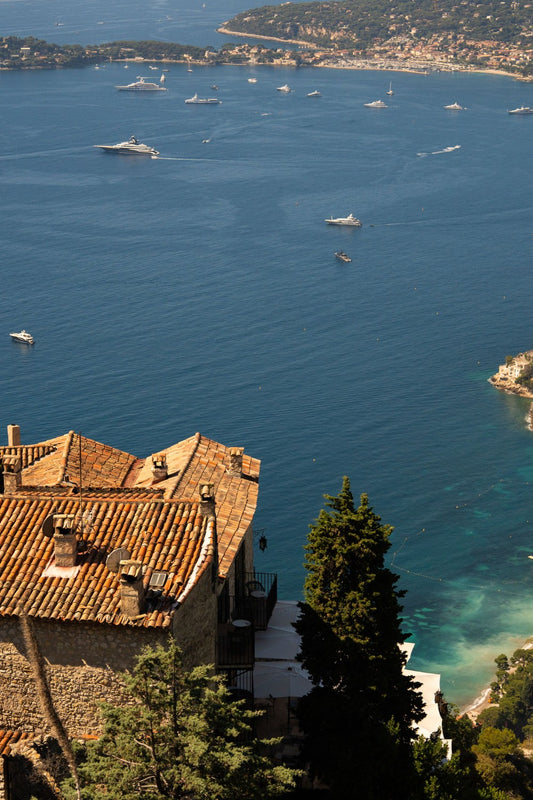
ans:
x=482 y=701
x=377 y=64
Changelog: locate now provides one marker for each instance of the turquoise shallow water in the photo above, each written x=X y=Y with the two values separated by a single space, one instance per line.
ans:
x=199 y=291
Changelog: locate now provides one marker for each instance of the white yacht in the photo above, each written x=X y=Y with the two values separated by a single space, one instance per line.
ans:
x=23 y=336
x=349 y=221
x=376 y=104
x=195 y=100
x=142 y=85
x=285 y=88
x=316 y=93
x=131 y=147
x=521 y=110
x=454 y=107
x=252 y=80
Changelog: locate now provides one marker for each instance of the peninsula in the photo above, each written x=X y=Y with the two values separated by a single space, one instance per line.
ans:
x=516 y=375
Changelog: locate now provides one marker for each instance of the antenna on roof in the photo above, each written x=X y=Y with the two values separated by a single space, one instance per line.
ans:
x=114 y=558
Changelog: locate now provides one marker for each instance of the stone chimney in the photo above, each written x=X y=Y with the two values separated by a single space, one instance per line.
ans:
x=235 y=461
x=12 y=474
x=65 y=540
x=132 y=600
x=207 y=499
x=159 y=467
x=13 y=435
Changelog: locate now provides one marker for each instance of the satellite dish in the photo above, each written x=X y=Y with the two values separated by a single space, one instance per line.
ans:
x=48 y=526
x=114 y=558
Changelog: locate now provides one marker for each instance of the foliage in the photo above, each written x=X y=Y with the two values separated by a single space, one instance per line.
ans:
x=513 y=691
x=180 y=738
x=502 y=764
x=358 y=717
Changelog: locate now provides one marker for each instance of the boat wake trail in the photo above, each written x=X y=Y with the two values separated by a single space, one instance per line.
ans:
x=438 y=152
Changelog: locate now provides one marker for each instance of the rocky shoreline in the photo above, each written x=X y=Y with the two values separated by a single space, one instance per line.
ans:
x=508 y=375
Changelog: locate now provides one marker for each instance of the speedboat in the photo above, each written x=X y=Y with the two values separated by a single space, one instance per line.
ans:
x=316 y=93
x=131 y=147
x=521 y=110
x=376 y=104
x=349 y=221
x=454 y=107
x=285 y=88
x=23 y=336
x=142 y=85
x=342 y=256
x=252 y=80
x=195 y=100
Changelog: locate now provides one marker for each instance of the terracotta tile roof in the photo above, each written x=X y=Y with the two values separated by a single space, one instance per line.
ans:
x=9 y=738
x=54 y=466
x=57 y=460
x=167 y=536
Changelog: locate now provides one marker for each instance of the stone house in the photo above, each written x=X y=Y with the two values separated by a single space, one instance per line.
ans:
x=102 y=553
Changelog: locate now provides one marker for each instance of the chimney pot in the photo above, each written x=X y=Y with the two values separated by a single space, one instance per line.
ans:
x=132 y=596
x=235 y=461
x=159 y=467
x=65 y=540
x=13 y=435
x=207 y=499
x=11 y=466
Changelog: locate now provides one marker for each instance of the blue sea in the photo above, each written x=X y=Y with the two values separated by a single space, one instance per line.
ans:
x=199 y=292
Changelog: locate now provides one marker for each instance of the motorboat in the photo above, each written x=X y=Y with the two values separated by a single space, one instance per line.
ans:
x=316 y=93
x=252 y=80
x=285 y=88
x=521 y=110
x=376 y=104
x=214 y=87
x=349 y=221
x=23 y=336
x=340 y=255
x=142 y=85
x=195 y=100
x=454 y=107
x=131 y=147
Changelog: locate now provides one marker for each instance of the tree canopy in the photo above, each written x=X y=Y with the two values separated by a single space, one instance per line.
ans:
x=359 y=717
x=181 y=737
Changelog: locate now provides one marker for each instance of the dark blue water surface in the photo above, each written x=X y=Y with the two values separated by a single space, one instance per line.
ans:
x=199 y=292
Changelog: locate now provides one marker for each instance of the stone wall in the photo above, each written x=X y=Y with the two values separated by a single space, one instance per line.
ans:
x=82 y=662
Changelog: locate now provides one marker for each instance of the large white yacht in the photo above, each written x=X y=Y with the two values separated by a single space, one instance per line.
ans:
x=131 y=147
x=23 y=336
x=521 y=110
x=142 y=85
x=454 y=107
x=195 y=100
x=376 y=104
x=349 y=221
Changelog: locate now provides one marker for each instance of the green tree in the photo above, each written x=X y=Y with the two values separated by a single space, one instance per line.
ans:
x=358 y=719
x=181 y=737
x=502 y=764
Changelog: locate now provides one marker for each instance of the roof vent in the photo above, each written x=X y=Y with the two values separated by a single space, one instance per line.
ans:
x=12 y=474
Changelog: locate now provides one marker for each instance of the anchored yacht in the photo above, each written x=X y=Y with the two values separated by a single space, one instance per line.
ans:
x=23 y=336
x=349 y=221
x=142 y=85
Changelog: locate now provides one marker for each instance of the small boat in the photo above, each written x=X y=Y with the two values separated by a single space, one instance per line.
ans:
x=162 y=79
x=195 y=100
x=454 y=107
x=131 y=147
x=214 y=87
x=252 y=80
x=349 y=221
x=285 y=88
x=342 y=256
x=141 y=85
x=521 y=110
x=390 y=92
x=23 y=336
x=316 y=93
x=376 y=104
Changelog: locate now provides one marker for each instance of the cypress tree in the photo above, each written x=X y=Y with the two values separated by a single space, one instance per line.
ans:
x=358 y=719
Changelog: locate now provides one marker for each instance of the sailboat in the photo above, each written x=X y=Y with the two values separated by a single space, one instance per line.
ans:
x=162 y=79
x=390 y=92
